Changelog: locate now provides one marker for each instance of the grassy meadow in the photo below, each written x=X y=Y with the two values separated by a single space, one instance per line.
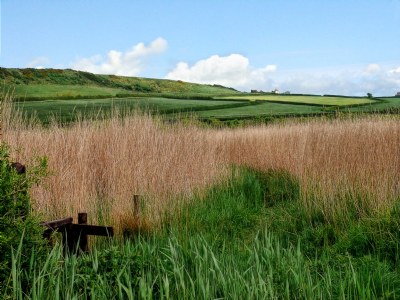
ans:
x=42 y=84
x=304 y=209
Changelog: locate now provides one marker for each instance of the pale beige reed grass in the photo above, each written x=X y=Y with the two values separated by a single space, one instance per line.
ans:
x=342 y=165
x=98 y=166
x=101 y=165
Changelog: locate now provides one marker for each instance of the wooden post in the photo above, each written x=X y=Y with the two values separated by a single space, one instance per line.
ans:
x=83 y=238
x=75 y=236
x=136 y=206
x=69 y=238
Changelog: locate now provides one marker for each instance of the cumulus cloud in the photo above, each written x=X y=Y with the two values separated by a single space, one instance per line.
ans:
x=236 y=71
x=373 y=78
x=128 y=63
x=232 y=70
x=395 y=71
x=38 y=62
x=372 y=69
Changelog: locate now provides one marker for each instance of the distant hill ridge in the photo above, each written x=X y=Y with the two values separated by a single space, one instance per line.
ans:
x=20 y=78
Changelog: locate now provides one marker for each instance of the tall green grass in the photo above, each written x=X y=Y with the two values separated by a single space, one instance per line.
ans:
x=169 y=269
x=247 y=238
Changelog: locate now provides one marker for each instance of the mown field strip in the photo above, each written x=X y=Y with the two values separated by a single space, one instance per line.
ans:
x=315 y=100
x=263 y=109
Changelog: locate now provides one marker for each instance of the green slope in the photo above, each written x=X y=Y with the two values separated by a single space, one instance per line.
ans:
x=33 y=84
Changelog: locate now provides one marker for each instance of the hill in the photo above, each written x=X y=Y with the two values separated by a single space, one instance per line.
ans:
x=39 y=84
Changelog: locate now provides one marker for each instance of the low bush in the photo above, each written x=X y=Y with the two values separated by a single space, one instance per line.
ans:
x=18 y=228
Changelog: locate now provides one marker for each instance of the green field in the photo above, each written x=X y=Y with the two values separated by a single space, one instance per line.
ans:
x=389 y=104
x=49 y=93
x=316 y=100
x=260 y=109
x=65 y=110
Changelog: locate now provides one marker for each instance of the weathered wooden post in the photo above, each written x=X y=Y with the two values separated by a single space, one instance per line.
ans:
x=69 y=238
x=75 y=236
x=136 y=206
x=83 y=238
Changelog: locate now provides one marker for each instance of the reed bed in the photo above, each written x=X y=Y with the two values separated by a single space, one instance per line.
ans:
x=344 y=166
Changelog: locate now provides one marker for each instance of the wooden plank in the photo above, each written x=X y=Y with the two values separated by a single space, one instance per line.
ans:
x=93 y=229
x=54 y=225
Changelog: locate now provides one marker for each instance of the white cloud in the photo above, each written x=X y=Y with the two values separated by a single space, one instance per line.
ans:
x=236 y=71
x=38 y=62
x=395 y=71
x=233 y=70
x=372 y=69
x=354 y=80
x=128 y=63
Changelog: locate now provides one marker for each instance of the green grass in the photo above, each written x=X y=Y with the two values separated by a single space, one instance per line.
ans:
x=315 y=100
x=152 y=269
x=247 y=238
x=386 y=104
x=31 y=84
x=261 y=109
x=67 y=110
x=62 y=91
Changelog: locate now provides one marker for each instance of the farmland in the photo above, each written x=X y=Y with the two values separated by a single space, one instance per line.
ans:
x=64 y=94
x=313 y=100
x=285 y=210
x=229 y=108
x=66 y=110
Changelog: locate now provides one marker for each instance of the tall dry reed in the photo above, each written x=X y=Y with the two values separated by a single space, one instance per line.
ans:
x=98 y=166
x=350 y=166
x=344 y=167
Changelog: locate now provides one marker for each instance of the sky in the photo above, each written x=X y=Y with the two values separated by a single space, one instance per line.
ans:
x=346 y=47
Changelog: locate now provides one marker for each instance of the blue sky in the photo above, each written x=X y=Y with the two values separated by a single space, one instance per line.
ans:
x=339 y=47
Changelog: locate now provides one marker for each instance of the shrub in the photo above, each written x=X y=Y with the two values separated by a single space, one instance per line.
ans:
x=17 y=225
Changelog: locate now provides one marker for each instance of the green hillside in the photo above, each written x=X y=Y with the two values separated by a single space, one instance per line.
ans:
x=35 y=84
